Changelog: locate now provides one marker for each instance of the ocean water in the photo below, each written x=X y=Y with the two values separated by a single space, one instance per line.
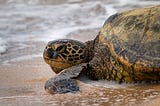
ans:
x=23 y=21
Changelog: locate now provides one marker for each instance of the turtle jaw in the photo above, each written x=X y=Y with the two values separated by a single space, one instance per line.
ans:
x=57 y=64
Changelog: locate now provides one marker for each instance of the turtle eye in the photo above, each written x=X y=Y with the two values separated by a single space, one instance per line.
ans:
x=61 y=48
x=51 y=53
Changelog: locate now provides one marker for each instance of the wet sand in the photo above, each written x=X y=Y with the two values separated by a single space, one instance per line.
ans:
x=22 y=84
x=155 y=102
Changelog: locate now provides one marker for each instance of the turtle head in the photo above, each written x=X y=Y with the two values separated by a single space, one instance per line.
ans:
x=64 y=53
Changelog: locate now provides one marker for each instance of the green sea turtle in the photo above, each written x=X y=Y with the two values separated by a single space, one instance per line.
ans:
x=127 y=49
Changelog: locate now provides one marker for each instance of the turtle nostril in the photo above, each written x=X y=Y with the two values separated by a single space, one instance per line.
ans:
x=51 y=53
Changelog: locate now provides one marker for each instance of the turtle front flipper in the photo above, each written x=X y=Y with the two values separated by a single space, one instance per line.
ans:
x=55 y=85
x=64 y=82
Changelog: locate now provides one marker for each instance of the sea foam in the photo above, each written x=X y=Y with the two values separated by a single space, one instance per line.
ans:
x=3 y=46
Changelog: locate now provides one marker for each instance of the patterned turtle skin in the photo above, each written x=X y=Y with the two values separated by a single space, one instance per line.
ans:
x=64 y=53
x=127 y=49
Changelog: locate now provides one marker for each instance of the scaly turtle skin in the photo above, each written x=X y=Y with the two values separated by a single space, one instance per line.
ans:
x=127 y=49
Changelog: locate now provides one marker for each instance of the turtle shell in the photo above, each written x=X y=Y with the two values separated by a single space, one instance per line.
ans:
x=135 y=35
